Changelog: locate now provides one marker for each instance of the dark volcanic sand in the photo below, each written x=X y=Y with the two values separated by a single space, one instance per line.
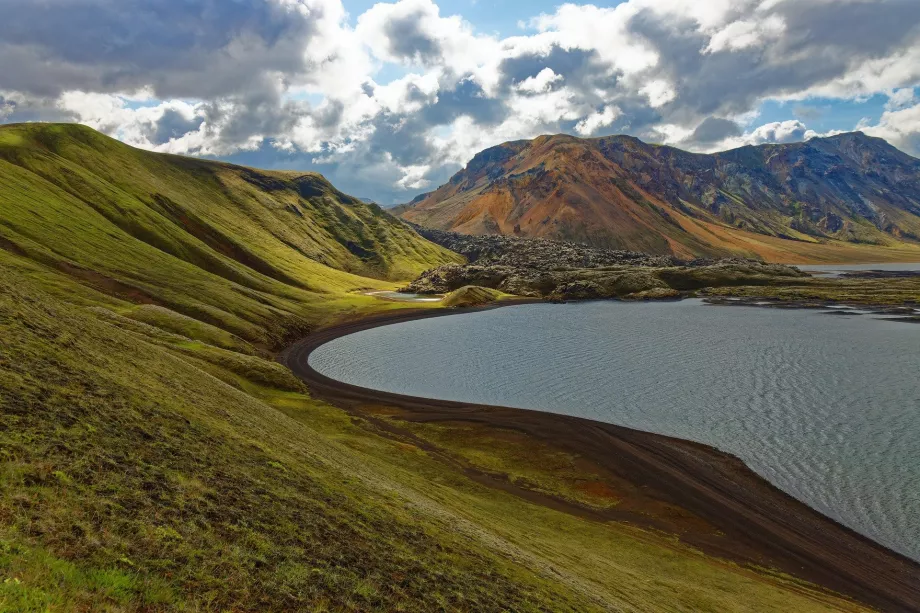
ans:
x=760 y=524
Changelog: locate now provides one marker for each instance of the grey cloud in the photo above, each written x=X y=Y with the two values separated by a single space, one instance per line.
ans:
x=822 y=40
x=402 y=137
x=581 y=69
x=466 y=98
x=713 y=130
x=173 y=124
x=409 y=41
x=188 y=48
x=18 y=110
x=803 y=111
x=851 y=28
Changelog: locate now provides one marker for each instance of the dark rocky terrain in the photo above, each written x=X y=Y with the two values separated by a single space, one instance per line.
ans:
x=627 y=282
x=499 y=250
x=558 y=270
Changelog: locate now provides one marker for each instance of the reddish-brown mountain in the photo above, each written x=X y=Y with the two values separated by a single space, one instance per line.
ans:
x=824 y=199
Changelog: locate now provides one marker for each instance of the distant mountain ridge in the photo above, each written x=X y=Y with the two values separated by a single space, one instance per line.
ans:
x=619 y=192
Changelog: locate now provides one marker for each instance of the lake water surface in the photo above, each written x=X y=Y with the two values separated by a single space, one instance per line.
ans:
x=825 y=407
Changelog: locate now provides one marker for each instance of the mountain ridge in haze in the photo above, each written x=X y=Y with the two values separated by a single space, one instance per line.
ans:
x=622 y=193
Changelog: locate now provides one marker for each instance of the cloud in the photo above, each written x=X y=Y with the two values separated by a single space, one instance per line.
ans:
x=714 y=130
x=540 y=83
x=899 y=127
x=394 y=100
x=414 y=32
x=194 y=48
x=900 y=98
x=789 y=131
x=600 y=119
x=721 y=137
x=744 y=34
x=810 y=113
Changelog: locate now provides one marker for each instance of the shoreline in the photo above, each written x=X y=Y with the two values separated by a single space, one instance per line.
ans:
x=757 y=524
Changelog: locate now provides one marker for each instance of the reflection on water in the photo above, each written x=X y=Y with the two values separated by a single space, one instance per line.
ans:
x=400 y=297
x=825 y=407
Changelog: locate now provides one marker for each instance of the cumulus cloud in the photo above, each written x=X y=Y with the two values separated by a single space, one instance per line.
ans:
x=900 y=127
x=600 y=119
x=391 y=101
x=539 y=83
x=900 y=98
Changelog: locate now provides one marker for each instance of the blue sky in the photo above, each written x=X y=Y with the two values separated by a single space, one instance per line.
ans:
x=389 y=99
x=500 y=17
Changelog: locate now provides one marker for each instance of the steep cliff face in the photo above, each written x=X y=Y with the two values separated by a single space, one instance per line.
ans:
x=622 y=193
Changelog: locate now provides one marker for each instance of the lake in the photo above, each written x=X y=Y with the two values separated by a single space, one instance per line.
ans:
x=825 y=407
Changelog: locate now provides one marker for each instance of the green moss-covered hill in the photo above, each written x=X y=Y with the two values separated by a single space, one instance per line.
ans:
x=253 y=252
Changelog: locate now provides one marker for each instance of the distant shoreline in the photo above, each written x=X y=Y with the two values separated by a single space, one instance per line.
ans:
x=763 y=526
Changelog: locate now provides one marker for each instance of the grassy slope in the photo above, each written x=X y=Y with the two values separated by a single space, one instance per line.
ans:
x=143 y=470
x=472 y=295
x=260 y=254
x=153 y=458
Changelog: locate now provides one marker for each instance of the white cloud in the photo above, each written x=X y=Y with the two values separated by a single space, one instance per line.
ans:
x=744 y=34
x=539 y=83
x=414 y=177
x=900 y=127
x=900 y=98
x=787 y=131
x=601 y=119
x=659 y=92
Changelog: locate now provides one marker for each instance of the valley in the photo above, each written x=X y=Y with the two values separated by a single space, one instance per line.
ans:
x=158 y=456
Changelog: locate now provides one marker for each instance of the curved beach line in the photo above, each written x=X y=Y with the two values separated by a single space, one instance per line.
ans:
x=761 y=525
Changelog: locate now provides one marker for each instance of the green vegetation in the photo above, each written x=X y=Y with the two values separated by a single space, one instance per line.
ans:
x=261 y=255
x=472 y=295
x=134 y=479
x=881 y=292
x=155 y=458
x=146 y=471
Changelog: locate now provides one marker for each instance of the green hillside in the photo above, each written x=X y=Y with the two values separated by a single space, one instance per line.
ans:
x=260 y=254
x=154 y=457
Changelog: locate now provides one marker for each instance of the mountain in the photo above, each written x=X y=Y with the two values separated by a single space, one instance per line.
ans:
x=805 y=200
x=262 y=254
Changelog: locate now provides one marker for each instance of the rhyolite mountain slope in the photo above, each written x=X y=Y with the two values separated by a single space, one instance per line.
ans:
x=619 y=192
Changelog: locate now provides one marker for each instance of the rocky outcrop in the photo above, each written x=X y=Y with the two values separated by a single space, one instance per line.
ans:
x=561 y=271
x=630 y=282
x=498 y=250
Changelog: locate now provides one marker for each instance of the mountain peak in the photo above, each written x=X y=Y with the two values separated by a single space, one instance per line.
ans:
x=619 y=192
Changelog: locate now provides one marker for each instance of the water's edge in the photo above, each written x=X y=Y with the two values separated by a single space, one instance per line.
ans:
x=841 y=547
